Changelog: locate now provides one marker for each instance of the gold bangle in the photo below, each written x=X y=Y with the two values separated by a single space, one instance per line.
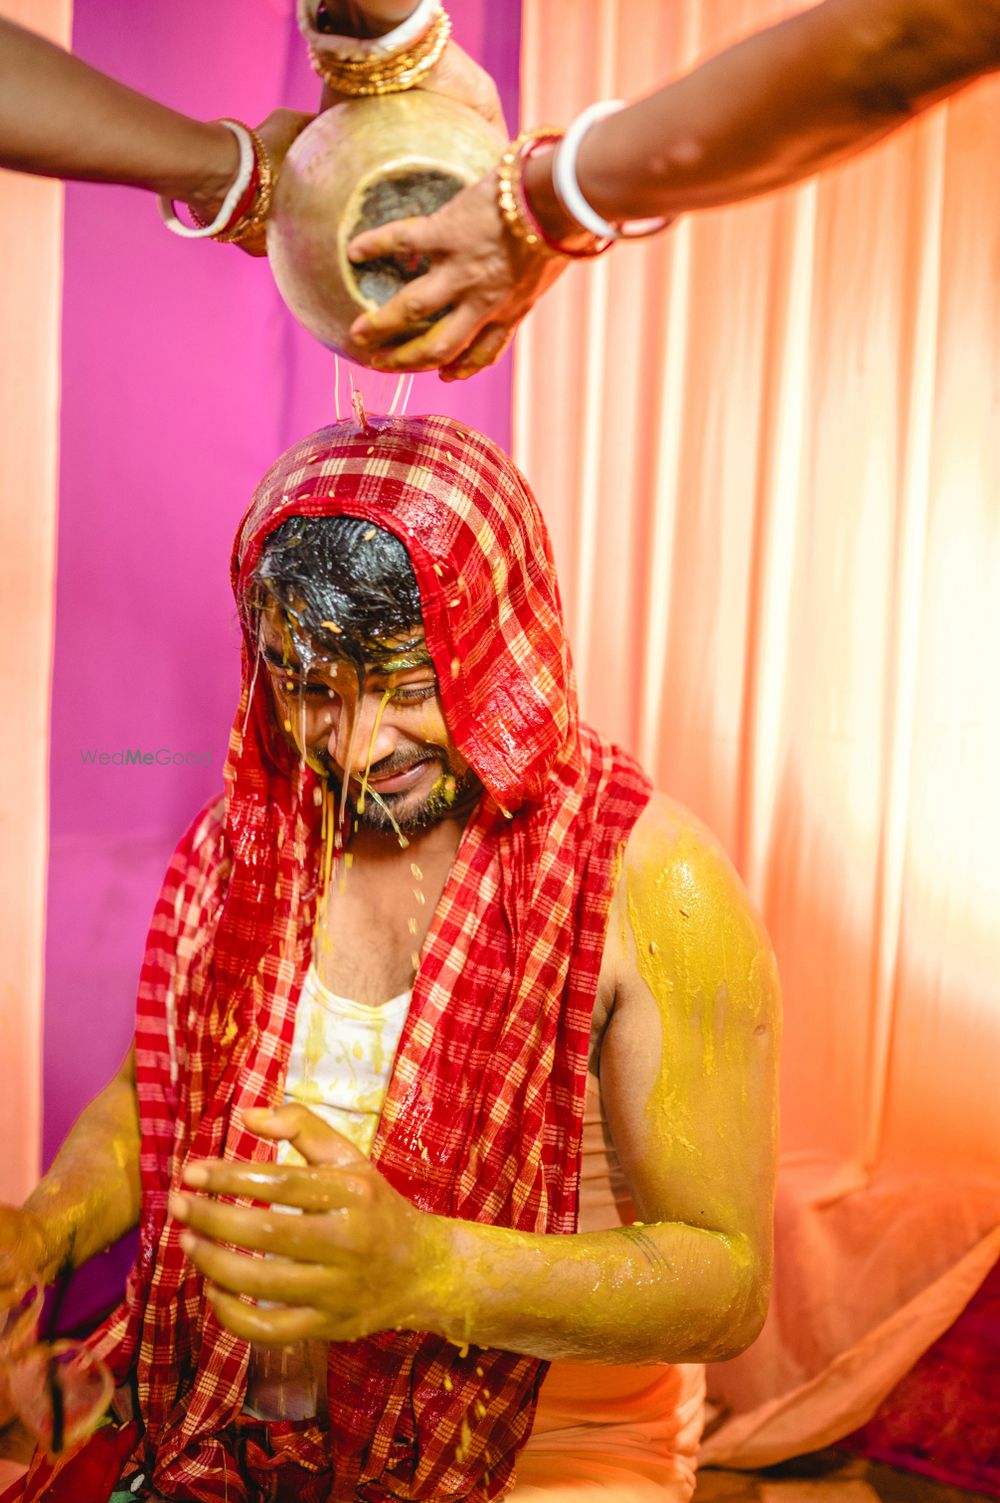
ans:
x=252 y=222
x=359 y=78
x=510 y=195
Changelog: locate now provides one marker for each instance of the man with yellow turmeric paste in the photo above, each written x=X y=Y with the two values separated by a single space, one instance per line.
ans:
x=444 y=978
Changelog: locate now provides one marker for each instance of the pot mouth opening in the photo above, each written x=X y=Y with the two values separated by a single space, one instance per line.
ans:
x=401 y=192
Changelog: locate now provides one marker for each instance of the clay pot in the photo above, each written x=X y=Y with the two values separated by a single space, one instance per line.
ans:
x=357 y=166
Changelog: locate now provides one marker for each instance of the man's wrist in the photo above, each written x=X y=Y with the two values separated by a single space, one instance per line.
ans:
x=52 y=1235
x=441 y=1287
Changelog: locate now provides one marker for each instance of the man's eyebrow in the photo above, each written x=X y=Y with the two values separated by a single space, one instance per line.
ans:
x=403 y=658
x=277 y=656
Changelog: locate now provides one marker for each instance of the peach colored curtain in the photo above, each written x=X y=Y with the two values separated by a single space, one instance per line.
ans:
x=30 y=283
x=767 y=447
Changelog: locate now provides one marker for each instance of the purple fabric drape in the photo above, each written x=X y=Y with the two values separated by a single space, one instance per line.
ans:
x=183 y=378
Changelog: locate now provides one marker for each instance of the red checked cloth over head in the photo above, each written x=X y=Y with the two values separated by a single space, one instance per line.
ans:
x=483 y=1115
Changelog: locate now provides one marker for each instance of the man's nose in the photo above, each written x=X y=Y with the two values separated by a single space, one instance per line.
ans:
x=362 y=734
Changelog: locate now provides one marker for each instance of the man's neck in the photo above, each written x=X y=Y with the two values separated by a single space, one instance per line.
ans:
x=378 y=911
x=434 y=845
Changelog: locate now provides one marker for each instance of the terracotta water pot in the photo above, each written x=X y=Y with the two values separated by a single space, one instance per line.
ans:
x=356 y=166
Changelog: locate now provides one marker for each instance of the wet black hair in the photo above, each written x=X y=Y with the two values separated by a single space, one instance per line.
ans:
x=344 y=571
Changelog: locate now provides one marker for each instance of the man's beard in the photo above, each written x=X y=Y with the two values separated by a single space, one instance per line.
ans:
x=453 y=793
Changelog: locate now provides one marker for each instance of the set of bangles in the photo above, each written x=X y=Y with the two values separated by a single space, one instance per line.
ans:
x=515 y=207
x=245 y=208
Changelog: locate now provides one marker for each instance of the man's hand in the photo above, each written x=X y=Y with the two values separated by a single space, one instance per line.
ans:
x=25 y=1253
x=485 y=279
x=358 y=1259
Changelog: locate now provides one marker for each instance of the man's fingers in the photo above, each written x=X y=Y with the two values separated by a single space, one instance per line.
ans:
x=400 y=237
x=415 y=303
x=316 y=1140
x=306 y=1237
x=308 y=1188
x=254 y=1324
x=280 y=1279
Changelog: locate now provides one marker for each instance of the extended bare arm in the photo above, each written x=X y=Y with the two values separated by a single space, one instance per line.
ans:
x=87 y=1200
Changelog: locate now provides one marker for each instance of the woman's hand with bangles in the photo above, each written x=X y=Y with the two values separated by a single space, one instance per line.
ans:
x=455 y=76
x=485 y=279
x=277 y=131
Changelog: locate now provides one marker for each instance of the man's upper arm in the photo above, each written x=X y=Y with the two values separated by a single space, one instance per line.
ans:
x=688 y=1062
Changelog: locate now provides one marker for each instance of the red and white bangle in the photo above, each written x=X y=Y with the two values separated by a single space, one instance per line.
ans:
x=550 y=141
x=241 y=188
x=568 y=190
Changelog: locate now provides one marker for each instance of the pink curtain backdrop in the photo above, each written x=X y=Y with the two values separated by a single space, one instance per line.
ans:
x=29 y=411
x=766 y=445
x=183 y=377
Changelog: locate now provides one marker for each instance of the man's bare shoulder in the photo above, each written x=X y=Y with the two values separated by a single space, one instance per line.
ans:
x=680 y=904
x=662 y=824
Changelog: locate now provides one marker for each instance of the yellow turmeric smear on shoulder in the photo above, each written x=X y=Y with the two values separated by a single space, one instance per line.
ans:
x=704 y=959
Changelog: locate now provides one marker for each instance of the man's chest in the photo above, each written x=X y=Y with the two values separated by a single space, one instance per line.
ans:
x=376 y=921
x=374 y=926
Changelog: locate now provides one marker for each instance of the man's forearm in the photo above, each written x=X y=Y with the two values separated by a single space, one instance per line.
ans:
x=61 y=118
x=90 y=1196
x=662 y=1293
